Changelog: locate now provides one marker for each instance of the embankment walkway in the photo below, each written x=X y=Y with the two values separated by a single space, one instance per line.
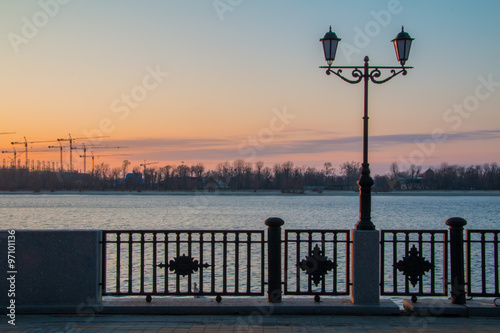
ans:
x=249 y=323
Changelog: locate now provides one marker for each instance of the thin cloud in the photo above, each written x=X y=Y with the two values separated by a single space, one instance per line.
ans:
x=230 y=149
x=166 y=144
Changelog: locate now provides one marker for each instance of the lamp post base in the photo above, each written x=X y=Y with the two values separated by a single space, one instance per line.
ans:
x=365 y=183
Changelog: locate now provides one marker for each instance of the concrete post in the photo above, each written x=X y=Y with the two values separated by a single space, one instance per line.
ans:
x=274 y=259
x=365 y=267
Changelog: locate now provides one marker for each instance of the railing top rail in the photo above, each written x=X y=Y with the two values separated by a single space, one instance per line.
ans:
x=317 y=230
x=482 y=231
x=183 y=231
x=414 y=231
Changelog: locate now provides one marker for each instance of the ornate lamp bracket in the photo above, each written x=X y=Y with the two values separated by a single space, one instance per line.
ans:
x=356 y=73
x=373 y=74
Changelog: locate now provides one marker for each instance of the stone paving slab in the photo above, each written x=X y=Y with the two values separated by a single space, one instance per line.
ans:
x=228 y=306
x=443 y=307
x=247 y=323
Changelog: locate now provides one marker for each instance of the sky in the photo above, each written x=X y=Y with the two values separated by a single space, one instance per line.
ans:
x=219 y=80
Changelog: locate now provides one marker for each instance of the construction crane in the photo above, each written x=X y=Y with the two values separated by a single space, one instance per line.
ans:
x=25 y=143
x=14 y=160
x=60 y=154
x=84 y=148
x=71 y=146
x=145 y=164
x=93 y=156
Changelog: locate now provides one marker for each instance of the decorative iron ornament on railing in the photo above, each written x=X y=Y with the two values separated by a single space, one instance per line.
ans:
x=414 y=266
x=183 y=262
x=316 y=265
x=482 y=263
x=418 y=258
x=316 y=262
x=183 y=265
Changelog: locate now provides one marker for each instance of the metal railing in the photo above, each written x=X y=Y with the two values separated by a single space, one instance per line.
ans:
x=414 y=263
x=316 y=262
x=482 y=266
x=183 y=262
x=304 y=262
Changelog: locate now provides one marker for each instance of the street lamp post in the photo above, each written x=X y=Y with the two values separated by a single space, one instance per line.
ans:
x=366 y=73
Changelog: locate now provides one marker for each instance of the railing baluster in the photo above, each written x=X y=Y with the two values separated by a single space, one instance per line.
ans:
x=165 y=238
x=285 y=257
x=468 y=241
x=154 y=263
x=201 y=248
x=323 y=281
x=189 y=241
x=237 y=262
x=104 y=247
x=495 y=251
x=394 y=261
x=130 y=263
x=224 y=262
x=118 y=259
x=177 y=254
x=249 y=258
x=445 y=263
x=262 y=262
x=309 y=250
x=483 y=263
x=298 y=258
x=142 y=262
x=213 y=262
x=348 y=261
x=433 y=271
x=421 y=250
x=407 y=250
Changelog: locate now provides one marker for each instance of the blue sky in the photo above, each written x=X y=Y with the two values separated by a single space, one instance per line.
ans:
x=227 y=68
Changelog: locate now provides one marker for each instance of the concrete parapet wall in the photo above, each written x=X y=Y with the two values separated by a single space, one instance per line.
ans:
x=51 y=267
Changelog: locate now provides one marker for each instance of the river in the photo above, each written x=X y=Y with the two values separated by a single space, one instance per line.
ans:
x=212 y=211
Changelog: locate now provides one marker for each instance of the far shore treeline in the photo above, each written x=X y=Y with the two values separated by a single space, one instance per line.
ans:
x=241 y=175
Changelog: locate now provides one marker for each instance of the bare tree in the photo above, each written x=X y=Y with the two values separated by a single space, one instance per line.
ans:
x=125 y=165
x=198 y=170
x=350 y=172
x=394 y=170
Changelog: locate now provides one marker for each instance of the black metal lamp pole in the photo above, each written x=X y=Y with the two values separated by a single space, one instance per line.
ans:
x=402 y=44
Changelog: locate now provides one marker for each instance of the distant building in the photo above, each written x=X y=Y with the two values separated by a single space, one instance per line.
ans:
x=415 y=183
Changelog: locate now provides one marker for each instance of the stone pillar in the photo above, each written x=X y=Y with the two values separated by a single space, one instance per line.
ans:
x=365 y=267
